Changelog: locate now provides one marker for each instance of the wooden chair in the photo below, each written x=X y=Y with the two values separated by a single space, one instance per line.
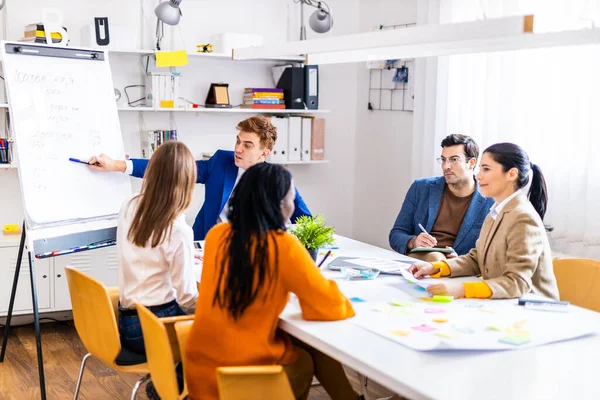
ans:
x=161 y=353
x=579 y=281
x=95 y=316
x=243 y=383
x=253 y=383
x=182 y=329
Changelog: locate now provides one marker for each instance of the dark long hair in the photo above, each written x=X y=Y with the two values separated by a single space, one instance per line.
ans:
x=254 y=212
x=509 y=155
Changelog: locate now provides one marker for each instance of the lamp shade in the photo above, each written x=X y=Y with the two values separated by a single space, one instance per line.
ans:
x=168 y=12
x=320 y=21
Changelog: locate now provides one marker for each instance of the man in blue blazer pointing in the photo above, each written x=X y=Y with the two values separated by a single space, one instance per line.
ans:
x=449 y=208
x=220 y=173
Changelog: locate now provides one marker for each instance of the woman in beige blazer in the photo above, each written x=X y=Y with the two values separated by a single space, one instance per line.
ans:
x=512 y=253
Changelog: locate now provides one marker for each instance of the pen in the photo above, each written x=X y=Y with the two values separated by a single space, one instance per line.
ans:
x=82 y=162
x=78 y=161
x=423 y=229
x=542 y=302
x=324 y=258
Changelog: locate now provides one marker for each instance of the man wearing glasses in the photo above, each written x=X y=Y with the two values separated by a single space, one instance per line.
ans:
x=444 y=212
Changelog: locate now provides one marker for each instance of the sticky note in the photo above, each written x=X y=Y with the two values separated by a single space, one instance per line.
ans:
x=464 y=329
x=447 y=334
x=423 y=328
x=401 y=303
x=382 y=308
x=404 y=311
x=515 y=341
x=442 y=299
x=400 y=332
x=12 y=229
x=425 y=298
x=518 y=333
x=440 y=320
x=519 y=324
x=171 y=58
x=496 y=327
x=434 y=310
x=356 y=300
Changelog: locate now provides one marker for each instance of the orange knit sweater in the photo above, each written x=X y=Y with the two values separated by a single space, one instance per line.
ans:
x=217 y=340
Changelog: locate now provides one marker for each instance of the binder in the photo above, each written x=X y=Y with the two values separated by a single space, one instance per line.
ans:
x=306 y=138
x=311 y=86
x=295 y=139
x=292 y=83
x=279 y=153
x=318 y=139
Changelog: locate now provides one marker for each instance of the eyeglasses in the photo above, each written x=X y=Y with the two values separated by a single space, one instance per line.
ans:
x=451 y=160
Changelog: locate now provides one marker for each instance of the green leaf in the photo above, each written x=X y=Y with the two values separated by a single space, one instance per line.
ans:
x=312 y=232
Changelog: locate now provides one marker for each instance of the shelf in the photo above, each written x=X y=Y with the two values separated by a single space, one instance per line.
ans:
x=217 y=56
x=10 y=240
x=224 y=110
x=301 y=162
x=217 y=110
x=8 y=166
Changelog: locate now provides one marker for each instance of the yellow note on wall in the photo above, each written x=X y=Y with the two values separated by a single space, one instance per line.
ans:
x=177 y=58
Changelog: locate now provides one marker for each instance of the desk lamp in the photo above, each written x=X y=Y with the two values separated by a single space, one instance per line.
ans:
x=320 y=21
x=167 y=13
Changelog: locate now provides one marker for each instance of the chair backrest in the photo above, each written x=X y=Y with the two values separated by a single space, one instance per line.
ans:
x=182 y=329
x=159 y=354
x=254 y=382
x=94 y=316
x=578 y=281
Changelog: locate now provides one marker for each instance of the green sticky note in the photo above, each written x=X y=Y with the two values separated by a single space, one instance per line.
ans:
x=442 y=299
x=515 y=340
x=401 y=303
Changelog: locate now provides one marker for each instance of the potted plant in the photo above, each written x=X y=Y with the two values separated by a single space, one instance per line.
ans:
x=312 y=233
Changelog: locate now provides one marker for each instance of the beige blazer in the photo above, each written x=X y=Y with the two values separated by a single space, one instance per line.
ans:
x=512 y=254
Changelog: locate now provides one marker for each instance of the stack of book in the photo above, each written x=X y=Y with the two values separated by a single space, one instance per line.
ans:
x=35 y=33
x=152 y=139
x=264 y=98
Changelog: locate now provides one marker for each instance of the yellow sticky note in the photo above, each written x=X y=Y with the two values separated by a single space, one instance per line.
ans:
x=447 y=334
x=440 y=320
x=426 y=298
x=177 y=58
x=12 y=229
x=400 y=332
x=401 y=303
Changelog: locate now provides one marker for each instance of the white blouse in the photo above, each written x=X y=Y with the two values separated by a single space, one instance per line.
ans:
x=155 y=276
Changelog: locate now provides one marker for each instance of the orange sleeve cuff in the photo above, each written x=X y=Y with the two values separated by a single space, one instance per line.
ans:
x=444 y=269
x=478 y=290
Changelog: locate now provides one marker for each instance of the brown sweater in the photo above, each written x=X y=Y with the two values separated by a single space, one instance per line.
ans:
x=449 y=218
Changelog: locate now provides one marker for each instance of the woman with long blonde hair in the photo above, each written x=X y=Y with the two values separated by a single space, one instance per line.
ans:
x=155 y=249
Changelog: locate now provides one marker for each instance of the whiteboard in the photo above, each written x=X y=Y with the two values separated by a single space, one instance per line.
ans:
x=61 y=106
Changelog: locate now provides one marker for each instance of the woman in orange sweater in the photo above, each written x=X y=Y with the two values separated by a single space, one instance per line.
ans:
x=251 y=264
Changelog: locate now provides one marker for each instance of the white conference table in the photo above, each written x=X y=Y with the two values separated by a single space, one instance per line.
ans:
x=562 y=370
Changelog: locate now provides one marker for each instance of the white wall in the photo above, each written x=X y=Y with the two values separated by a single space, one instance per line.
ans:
x=327 y=188
x=383 y=140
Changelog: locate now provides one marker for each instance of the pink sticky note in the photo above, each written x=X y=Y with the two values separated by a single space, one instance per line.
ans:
x=423 y=328
x=435 y=310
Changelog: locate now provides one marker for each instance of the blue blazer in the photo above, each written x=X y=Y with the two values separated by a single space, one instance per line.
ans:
x=218 y=176
x=421 y=205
